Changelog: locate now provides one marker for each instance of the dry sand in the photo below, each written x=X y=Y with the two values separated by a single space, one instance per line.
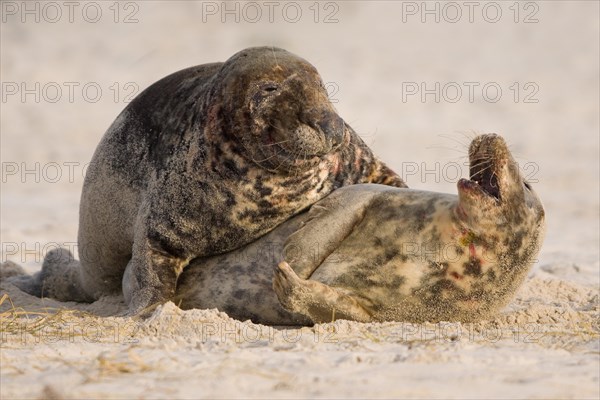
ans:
x=544 y=345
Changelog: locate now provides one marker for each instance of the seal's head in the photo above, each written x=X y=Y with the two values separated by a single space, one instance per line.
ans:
x=496 y=199
x=275 y=104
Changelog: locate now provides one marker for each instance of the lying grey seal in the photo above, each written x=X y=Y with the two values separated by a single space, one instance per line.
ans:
x=204 y=161
x=376 y=253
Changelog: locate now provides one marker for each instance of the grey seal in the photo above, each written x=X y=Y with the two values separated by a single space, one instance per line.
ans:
x=202 y=162
x=377 y=253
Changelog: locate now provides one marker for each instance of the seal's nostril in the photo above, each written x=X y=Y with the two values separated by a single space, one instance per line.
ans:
x=332 y=126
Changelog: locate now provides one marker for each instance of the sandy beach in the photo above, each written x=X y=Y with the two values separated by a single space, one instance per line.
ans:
x=417 y=81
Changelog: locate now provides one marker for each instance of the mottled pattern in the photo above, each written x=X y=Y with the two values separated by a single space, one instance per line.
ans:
x=240 y=282
x=202 y=162
x=376 y=253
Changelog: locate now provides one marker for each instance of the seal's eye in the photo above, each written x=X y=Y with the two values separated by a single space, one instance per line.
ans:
x=270 y=88
x=527 y=185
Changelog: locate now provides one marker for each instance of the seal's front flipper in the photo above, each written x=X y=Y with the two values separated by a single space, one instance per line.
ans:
x=329 y=222
x=319 y=302
x=150 y=278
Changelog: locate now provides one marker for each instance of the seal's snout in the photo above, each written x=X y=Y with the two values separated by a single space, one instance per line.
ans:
x=326 y=125
x=483 y=143
x=332 y=127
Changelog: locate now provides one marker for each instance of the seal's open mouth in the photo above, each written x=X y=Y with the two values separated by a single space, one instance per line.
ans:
x=486 y=155
x=483 y=174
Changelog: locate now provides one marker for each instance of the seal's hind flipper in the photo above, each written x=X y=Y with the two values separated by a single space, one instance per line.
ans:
x=320 y=302
x=14 y=274
x=9 y=269
x=59 y=278
x=329 y=222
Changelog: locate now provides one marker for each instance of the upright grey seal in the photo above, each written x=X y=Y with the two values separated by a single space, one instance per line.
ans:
x=204 y=161
x=377 y=253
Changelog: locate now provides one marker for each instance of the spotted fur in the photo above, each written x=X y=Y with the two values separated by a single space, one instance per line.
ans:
x=202 y=162
x=376 y=253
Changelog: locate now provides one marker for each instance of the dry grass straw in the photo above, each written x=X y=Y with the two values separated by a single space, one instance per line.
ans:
x=48 y=323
